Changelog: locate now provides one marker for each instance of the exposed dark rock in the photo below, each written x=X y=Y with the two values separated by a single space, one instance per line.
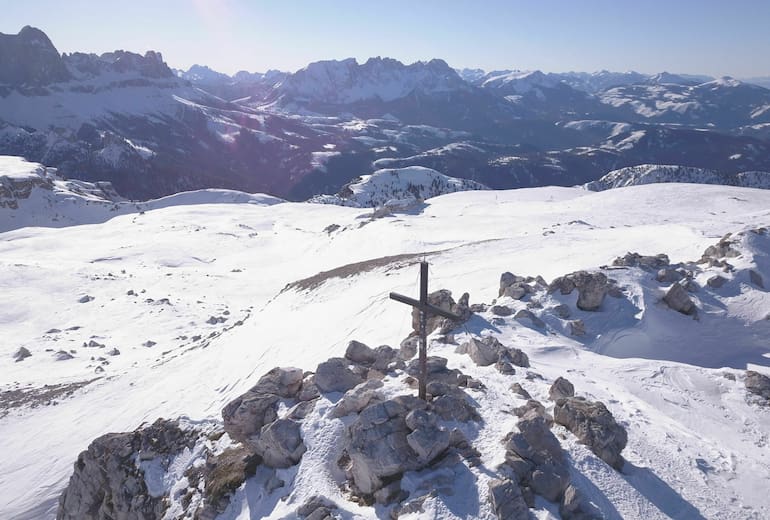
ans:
x=646 y=262
x=107 y=483
x=716 y=281
x=668 y=276
x=594 y=426
x=516 y=388
x=722 y=249
x=677 y=299
x=335 y=375
x=357 y=352
x=30 y=59
x=507 y=501
x=409 y=346
x=562 y=311
x=561 y=388
x=21 y=354
x=483 y=352
x=524 y=314
x=280 y=443
x=501 y=310
x=592 y=288
x=443 y=300
x=223 y=474
x=316 y=508
x=757 y=383
x=577 y=328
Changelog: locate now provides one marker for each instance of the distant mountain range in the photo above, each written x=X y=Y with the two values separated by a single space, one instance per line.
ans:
x=153 y=131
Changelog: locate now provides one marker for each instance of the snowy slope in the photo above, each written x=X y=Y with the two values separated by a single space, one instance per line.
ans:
x=697 y=448
x=32 y=195
x=658 y=173
x=398 y=186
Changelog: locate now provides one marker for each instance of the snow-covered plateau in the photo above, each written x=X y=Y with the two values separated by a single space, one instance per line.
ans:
x=178 y=309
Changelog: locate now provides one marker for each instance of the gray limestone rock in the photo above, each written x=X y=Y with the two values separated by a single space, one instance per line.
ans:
x=358 y=398
x=524 y=314
x=483 y=352
x=21 y=354
x=280 y=443
x=501 y=310
x=507 y=501
x=335 y=375
x=757 y=383
x=716 y=281
x=516 y=388
x=678 y=299
x=594 y=426
x=561 y=388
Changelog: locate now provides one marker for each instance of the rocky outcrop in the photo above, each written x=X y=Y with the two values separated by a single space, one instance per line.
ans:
x=280 y=443
x=29 y=59
x=107 y=482
x=336 y=375
x=488 y=350
x=594 y=426
x=507 y=501
x=651 y=263
x=518 y=287
x=758 y=384
x=443 y=300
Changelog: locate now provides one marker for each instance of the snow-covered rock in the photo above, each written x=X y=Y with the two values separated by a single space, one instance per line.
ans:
x=397 y=188
x=657 y=173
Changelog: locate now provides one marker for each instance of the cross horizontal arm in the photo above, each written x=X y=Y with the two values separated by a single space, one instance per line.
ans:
x=427 y=307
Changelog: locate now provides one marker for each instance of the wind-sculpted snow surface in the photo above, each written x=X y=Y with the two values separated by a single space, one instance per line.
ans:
x=178 y=311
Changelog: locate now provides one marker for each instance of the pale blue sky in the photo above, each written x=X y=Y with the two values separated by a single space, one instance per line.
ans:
x=717 y=37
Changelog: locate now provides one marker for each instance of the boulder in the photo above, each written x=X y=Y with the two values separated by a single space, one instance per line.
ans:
x=515 y=356
x=716 y=281
x=359 y=353
x=316 y=508
x=757 y=383
x=507 y=501
x=455 y=407
x=592 y=288
x=594 y=426
x=335 y=375
x=21 y=354
x=483 y=352
x=668 y=276
x=377 y=443
x=443 y=300
x=524 y=314
x=577 y=328
x=358 y=398
x=280 y=444
x=501 y=310
x=409 y=346
x=561 y=310
x=561 y=388
x=516 y=388
x=656 y=262
x=678 y=299
x=246 y=415
x=284 y=382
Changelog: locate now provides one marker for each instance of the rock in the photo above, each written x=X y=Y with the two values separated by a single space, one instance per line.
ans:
x=63 y=355
x=722 y=249
x=501 y=310
x=246 y=415
x=280 y=443
x=517 y=291
x=308 y=391
x=85 y=299
x=716 y=281
x=113 y=352
x=677 y=299
x=421 y=419
x=358 y=398
x=507 y=501
x=757 y=383
x=515 y=356
x=756 y=279
x=561 y=388
x=284 y=382
x=516 y=388
x=505 y=367
x=315 y=505
x=478 y=307
x=561 y=310
x=223 y=474
x=377 y=443
x=668 y=276
x=390 y=493
x=645 y=262
x=409 y=346
x=577 y=328
x=334 y=375
x=592 y=288
x=428 y=443
x=594 y=426
x=524 y=314
x=107 y=482
x=483 y=352
x=149 y=343
x=443 y=300
x=455 y=407
x=22 y=354
x=357 y=352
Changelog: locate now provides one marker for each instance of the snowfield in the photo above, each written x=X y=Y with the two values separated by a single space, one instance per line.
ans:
x=201 y=300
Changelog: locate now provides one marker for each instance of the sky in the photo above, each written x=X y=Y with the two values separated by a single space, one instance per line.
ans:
x=714 y=37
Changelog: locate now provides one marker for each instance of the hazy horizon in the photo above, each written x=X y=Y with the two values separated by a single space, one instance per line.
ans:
x=689 y=37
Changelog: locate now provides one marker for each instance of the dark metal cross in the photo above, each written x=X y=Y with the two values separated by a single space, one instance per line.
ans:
x=425 y=309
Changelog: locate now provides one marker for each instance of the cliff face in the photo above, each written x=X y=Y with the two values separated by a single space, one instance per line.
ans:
x=30 y=59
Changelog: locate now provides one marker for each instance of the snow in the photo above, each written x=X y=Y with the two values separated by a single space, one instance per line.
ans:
x=662 y=173
x=697 y=448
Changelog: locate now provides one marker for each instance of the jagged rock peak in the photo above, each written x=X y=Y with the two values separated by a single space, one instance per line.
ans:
x=30 y=59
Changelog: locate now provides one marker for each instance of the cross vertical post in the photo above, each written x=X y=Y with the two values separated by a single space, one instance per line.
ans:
x=422 y=392
x=425 y=309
